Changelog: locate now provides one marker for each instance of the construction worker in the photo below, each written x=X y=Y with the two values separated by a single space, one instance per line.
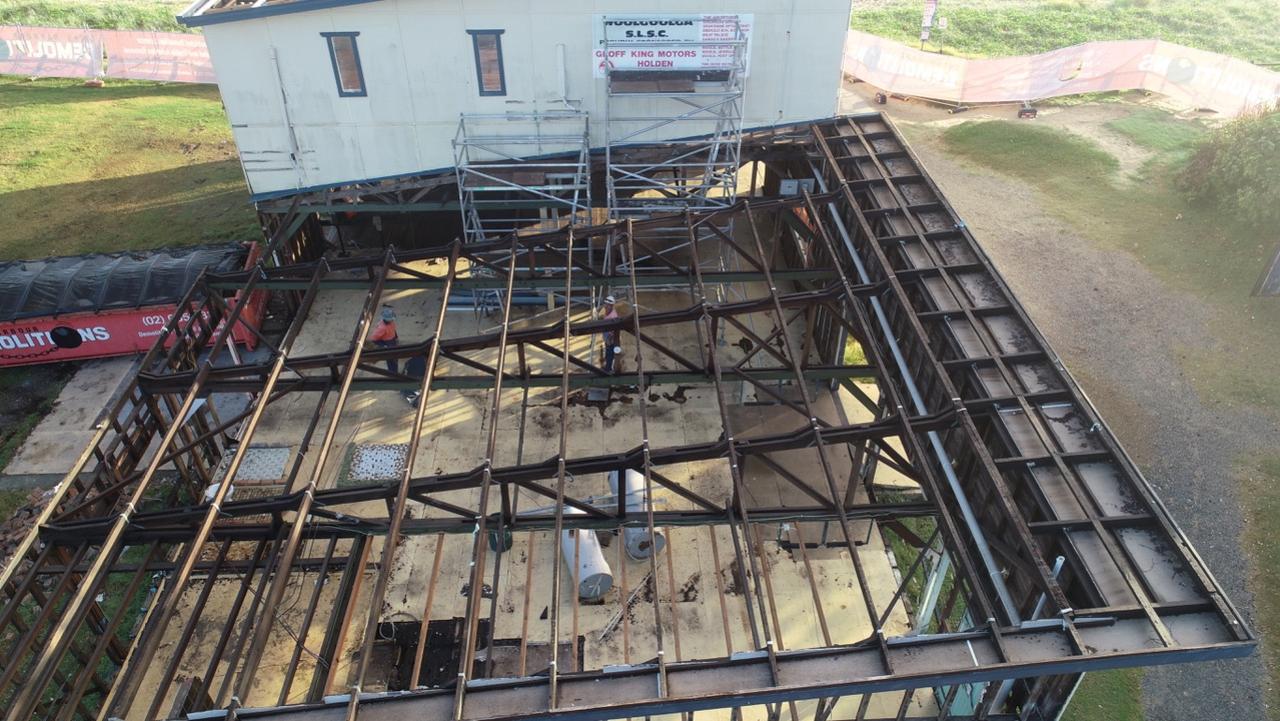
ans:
x=384 y=335
x=611 y=337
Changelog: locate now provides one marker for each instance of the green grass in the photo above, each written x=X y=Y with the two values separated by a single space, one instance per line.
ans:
x=1157 y=130
x=11 y=500
x=133 y=165
x=1031 y=151
x=1109 y=695
x=1244 y=28
x=1211 y=255
x=854 y=355
x=101 y=14
x=1262 y=541
x=29 y=393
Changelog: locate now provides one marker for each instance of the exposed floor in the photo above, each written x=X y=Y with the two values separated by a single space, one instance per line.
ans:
x=697 y=593
x=56 y=443
x=1121 y=330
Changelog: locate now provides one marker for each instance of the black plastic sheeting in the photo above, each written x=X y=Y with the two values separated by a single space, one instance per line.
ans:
x=86 y=283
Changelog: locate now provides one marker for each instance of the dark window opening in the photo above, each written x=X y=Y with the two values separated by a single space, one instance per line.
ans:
x=490 y=75
x=346 y=64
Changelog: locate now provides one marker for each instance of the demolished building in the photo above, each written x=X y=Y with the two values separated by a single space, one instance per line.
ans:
x=839 y=473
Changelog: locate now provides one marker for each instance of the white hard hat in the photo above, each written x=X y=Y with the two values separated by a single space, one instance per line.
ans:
x=609 y=300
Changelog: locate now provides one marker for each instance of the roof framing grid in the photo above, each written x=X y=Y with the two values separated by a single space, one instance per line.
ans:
x=1030 y=549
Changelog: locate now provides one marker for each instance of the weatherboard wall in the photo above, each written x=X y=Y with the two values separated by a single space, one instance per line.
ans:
x=294 y=130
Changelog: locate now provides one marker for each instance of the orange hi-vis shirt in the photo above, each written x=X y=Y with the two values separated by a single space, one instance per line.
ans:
x=384 y=331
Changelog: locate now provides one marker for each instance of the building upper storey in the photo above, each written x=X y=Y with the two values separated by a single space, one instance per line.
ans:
x=328 y=92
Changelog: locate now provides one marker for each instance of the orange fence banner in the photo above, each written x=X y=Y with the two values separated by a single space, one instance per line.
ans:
x=1192 y=77
x=174 y=57
x=50 y=52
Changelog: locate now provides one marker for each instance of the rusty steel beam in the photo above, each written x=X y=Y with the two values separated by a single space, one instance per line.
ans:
x=399 y=505
x=276 y=592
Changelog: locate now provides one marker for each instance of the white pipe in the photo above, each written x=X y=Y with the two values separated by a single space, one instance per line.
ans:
x=593 y=573
x=638 y=542
x=1007 y=686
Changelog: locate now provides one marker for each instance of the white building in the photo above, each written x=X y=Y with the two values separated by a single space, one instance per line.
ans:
x=329 y=92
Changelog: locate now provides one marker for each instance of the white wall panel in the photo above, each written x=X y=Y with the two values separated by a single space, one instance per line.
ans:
x=420 y=74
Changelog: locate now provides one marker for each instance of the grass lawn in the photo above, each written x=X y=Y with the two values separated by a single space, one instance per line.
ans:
x=1157 y=130
x=1193 y=248
x=1109 y=695
x=1212 y=256
x=133 y=165
x=1262 y=540
x=1244 y=28
x=100 y=14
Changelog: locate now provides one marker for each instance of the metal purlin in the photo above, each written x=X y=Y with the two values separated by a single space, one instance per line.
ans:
x=479 y=543
x=392 y=539
x=263 y=632
x=935 y=441
x=75 y=610
x=159 y=619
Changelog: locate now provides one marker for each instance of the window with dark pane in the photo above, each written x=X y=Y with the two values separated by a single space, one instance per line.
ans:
x=346 y=63
x=490 y=74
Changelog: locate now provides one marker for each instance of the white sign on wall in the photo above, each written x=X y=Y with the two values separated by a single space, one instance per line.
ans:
x=669 y=42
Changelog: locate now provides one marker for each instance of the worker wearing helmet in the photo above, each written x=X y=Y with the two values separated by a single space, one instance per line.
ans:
x=612 y=337
x=384 y=335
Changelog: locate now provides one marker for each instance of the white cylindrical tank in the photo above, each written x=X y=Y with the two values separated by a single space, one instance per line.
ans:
x=594 y=575
x=638 y=544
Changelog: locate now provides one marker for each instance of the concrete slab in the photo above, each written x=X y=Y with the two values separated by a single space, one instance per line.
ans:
x=62 y=435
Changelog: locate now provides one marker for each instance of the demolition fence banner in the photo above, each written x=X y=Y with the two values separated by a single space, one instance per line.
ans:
x=1195 y=78
x=175 y=57
x=50 y=52
x=80 y=53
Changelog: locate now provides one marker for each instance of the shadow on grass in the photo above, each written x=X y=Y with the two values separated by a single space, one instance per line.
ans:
x=191 y=204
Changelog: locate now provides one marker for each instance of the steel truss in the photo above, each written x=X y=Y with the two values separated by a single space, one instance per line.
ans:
x=1042 y=551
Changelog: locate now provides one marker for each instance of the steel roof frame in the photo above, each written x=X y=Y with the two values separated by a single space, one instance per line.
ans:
x=1049 y=526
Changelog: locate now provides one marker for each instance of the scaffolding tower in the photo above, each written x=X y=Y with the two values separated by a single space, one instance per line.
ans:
x=674 y=127
x=522 y=172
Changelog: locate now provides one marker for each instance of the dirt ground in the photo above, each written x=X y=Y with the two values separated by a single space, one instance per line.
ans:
x=1121 y=330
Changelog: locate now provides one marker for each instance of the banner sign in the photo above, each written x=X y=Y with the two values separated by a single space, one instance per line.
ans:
x=669 y=42
x=51 y=339
x=75 y=53
x=926 y=20
x=172 y=57
x=1195 y=78
x=82 y=335
x=50 y=52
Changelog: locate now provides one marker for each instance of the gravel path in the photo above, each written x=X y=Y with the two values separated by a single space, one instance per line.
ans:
x=1120 y=330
